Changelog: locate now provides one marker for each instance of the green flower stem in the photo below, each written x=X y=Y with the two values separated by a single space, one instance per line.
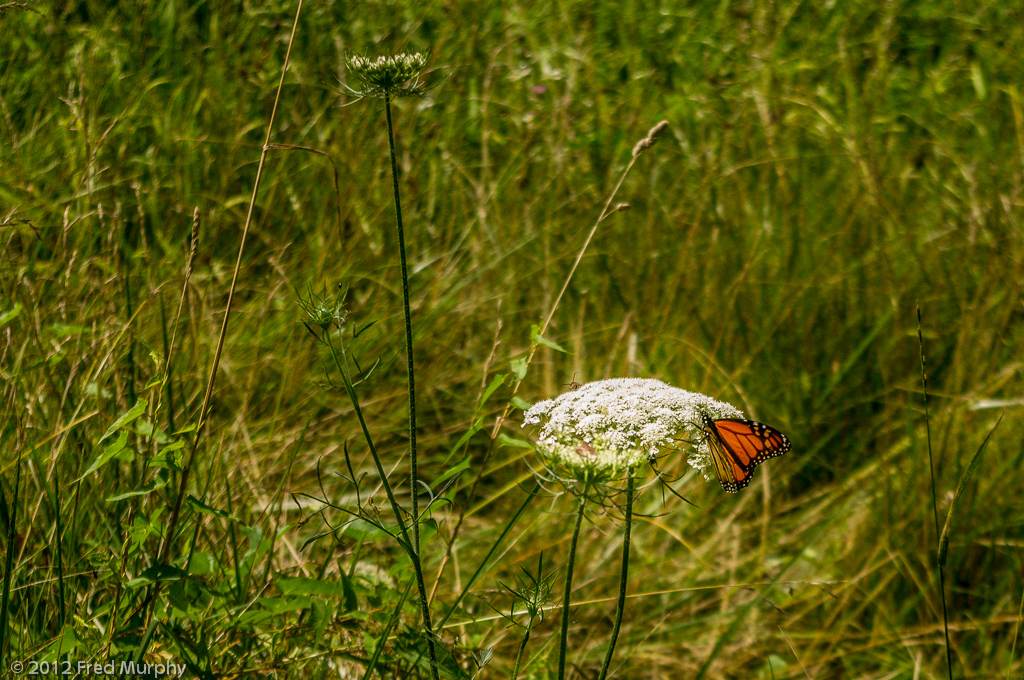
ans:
x=522 y=647
x=622 y=578
x=342 y=364
x=414 y=485
x=568 y=585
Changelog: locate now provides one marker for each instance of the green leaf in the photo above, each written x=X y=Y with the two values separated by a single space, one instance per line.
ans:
x=285 y=604
x=112 y=450
x=257 y=543
x=477 y=426
x=370 y=645
x=349 y=601
x=428 y=529
x=169 y=457
x=159 y=572
x=310 y=586
x=361 y=530
x=451 y=472
x=202 y=507
x=189 y=596
x=541 y=340
x=521 y=404
x=320 y=615
x=132 y=413
x=66 y=642
x=163 y=461
x=202 y=563
x=375 y=647
x=173 y=446
x=10 y=315
x=146 y=429
x=158 y=483
x=519 y=368
x=252 y=617
x=498 y=381
x=143 y=528
x=64 y=330
x=516 y=443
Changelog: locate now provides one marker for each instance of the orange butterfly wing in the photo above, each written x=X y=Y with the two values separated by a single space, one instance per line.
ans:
x=738 y=446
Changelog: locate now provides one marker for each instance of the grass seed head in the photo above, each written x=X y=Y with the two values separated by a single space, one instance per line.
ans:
x=652 y=137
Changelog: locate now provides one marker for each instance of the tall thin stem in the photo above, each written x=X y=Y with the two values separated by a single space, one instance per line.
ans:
x=414 y=485
x=623 y=577
x=522 y=648
x=413 y=479
x=568 y=585
x=935 y=501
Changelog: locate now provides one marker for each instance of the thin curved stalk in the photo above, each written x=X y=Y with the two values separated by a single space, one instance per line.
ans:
x=204 y=410
x=623 y=578
x=568 y=585
x=605 y=212
x=164 y=552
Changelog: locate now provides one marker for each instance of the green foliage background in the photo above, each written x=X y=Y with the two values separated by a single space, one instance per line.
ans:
x=828 y=164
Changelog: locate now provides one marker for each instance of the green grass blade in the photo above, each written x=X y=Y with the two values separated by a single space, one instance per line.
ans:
x=961 y=485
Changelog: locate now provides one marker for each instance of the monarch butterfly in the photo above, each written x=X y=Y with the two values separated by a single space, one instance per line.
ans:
x=738 y=446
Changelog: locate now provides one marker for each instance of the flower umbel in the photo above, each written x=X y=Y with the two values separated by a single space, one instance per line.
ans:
x=322 y=312
x=532 y=593
x=603 y=428
x=387 y=75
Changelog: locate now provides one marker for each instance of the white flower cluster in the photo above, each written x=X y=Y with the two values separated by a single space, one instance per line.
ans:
x=608 y=426
x=385 y=74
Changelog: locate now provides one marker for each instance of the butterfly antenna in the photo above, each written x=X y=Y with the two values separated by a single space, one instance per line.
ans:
x=572 y=384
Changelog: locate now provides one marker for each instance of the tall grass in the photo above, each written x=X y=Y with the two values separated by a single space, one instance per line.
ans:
x=827 y=165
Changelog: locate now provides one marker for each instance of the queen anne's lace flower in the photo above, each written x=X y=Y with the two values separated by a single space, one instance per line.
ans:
x=387 y=75
x=604 y=428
